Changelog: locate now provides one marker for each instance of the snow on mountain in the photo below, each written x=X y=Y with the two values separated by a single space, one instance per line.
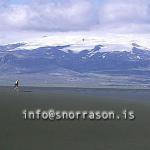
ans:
x=80 y=42
x=77 y=52
x=71 y=55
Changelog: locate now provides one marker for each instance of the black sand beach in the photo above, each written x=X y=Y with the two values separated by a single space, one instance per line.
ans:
x=19 y=134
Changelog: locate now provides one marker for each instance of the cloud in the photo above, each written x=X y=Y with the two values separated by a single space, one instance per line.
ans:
x=73 y=15
x=50 y=15
x=125 y=11
x=129 y=15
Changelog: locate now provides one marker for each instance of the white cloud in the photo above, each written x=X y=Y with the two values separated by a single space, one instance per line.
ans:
x=52 y=15
x=124 y=11
x=72 y=15
x=129 y=15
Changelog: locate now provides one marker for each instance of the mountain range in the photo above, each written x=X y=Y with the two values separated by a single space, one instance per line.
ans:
x=88 y=60
x=101 y=59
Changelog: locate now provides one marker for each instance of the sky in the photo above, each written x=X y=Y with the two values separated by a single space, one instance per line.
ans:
x=121 y=16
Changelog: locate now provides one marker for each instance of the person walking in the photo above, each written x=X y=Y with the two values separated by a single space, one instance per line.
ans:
x=16 y=84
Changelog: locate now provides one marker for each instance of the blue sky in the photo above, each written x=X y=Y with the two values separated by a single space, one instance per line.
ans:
x=75 y=15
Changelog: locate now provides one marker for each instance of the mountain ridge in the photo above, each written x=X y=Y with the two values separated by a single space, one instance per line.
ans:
x=83 y=61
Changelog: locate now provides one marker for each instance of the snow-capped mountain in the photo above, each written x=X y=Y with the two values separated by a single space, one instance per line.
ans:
x=76 y=61
x=81 y=56
x=78 y=43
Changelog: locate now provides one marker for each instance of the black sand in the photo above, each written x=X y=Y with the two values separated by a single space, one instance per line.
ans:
x=19 y=134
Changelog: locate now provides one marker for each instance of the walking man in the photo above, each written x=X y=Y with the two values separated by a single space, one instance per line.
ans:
x=16 y=84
